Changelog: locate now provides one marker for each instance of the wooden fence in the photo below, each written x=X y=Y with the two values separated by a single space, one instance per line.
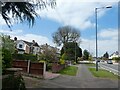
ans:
x=30 y=67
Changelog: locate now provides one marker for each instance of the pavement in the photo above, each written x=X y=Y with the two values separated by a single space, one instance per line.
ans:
x=50 y=75
x=83 y=79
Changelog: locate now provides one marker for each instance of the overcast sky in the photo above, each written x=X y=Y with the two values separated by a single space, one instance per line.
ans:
x=77 y=13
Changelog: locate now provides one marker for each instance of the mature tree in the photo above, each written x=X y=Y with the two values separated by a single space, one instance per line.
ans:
x=22 y=11
x=85 y=55
x=90 y=57
x=8 y=49
x=72 y=51
x=106 y=56
x=66 y=34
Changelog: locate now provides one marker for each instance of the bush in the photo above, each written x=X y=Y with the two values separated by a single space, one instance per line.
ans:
x=6 y=59
x=48 y=66
x=13 y=83
x=25 y=57
x=62 y=61
x=74 y=63
x=117 y=59
x=42 y=61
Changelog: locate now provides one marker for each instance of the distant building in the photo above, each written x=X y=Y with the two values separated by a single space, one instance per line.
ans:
x=23 y=46
x=115 y=54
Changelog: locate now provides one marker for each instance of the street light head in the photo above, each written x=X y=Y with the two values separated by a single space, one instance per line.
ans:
x=108 y=6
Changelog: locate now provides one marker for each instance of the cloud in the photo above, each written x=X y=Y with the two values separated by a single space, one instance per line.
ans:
x=28 y=37
x=103 y=46
x=11 y=32
x=107 y=41
x=38 y=38
x=75 y=12
x=108 y=33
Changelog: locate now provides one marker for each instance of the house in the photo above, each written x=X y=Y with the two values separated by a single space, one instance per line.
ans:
x=23 y=46
x=115 y=54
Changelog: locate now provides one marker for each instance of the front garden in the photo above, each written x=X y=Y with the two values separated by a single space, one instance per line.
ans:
x=70 y=70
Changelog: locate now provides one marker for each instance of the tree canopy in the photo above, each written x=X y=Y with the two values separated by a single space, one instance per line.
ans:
x=7 y=43
x=23 y=11
x=106 y=55
x=66 y=34
x=72 y=51
x=86 y=54
x=8 y=48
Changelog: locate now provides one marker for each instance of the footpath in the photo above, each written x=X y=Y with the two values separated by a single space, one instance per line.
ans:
x=83 y=79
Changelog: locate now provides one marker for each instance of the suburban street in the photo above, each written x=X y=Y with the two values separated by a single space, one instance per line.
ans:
x=110 y=67
x=83 y=79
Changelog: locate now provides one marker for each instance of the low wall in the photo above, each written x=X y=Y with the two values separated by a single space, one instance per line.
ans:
x=57 y=67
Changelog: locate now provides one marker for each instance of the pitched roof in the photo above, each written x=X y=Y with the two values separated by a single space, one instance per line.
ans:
x=30 y=43
x=115 y=53
x=35 y=44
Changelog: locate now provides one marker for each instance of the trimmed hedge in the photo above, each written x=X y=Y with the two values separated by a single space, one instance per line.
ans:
x=117 y=59
x=25 y=57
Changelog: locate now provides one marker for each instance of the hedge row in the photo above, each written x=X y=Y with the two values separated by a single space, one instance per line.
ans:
x=25 y=57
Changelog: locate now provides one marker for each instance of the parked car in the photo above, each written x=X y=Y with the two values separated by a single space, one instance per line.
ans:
x=109 y=62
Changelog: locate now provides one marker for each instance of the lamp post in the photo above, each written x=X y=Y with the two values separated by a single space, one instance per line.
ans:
x=96 y=33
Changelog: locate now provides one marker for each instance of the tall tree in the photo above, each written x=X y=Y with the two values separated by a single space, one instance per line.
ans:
x=85 y=54
x=72 y=50
x=8 y=48
x=22 y=11
x=106 y=55
x=66 y=34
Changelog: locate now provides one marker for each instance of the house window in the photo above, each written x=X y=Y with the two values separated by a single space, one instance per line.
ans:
x=20 y=46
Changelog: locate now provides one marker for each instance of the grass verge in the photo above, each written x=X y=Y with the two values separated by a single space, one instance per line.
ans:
x=70 y=70
x=102 y=73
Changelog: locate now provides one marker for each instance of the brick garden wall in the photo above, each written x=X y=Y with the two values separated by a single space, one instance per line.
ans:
x=57 y=67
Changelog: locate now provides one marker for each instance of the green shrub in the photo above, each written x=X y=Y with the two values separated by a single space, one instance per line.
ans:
x=42 y=61
x=62 y=61
x=13 y=83
x=25 y=57
x=117 y=59
x=48 y=66
x=6 y=59
x=74 y=63
x=65 y=56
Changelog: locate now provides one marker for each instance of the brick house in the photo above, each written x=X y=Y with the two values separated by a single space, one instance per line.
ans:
x=23 y=46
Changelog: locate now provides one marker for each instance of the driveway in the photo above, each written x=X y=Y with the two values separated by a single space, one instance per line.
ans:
x=83 y=79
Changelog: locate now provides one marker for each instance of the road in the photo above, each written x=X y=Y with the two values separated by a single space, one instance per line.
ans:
x=110 y=67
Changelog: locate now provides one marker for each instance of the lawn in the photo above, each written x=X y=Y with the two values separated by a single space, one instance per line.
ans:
x=103 y=73
x=70 y=70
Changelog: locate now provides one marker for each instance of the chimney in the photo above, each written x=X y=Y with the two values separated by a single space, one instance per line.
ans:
x=33 y=41
x=15 y=38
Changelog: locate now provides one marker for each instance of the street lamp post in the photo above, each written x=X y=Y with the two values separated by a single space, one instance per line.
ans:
x=96 y=33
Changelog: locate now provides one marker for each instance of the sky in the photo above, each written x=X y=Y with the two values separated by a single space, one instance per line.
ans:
x=79 y=14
